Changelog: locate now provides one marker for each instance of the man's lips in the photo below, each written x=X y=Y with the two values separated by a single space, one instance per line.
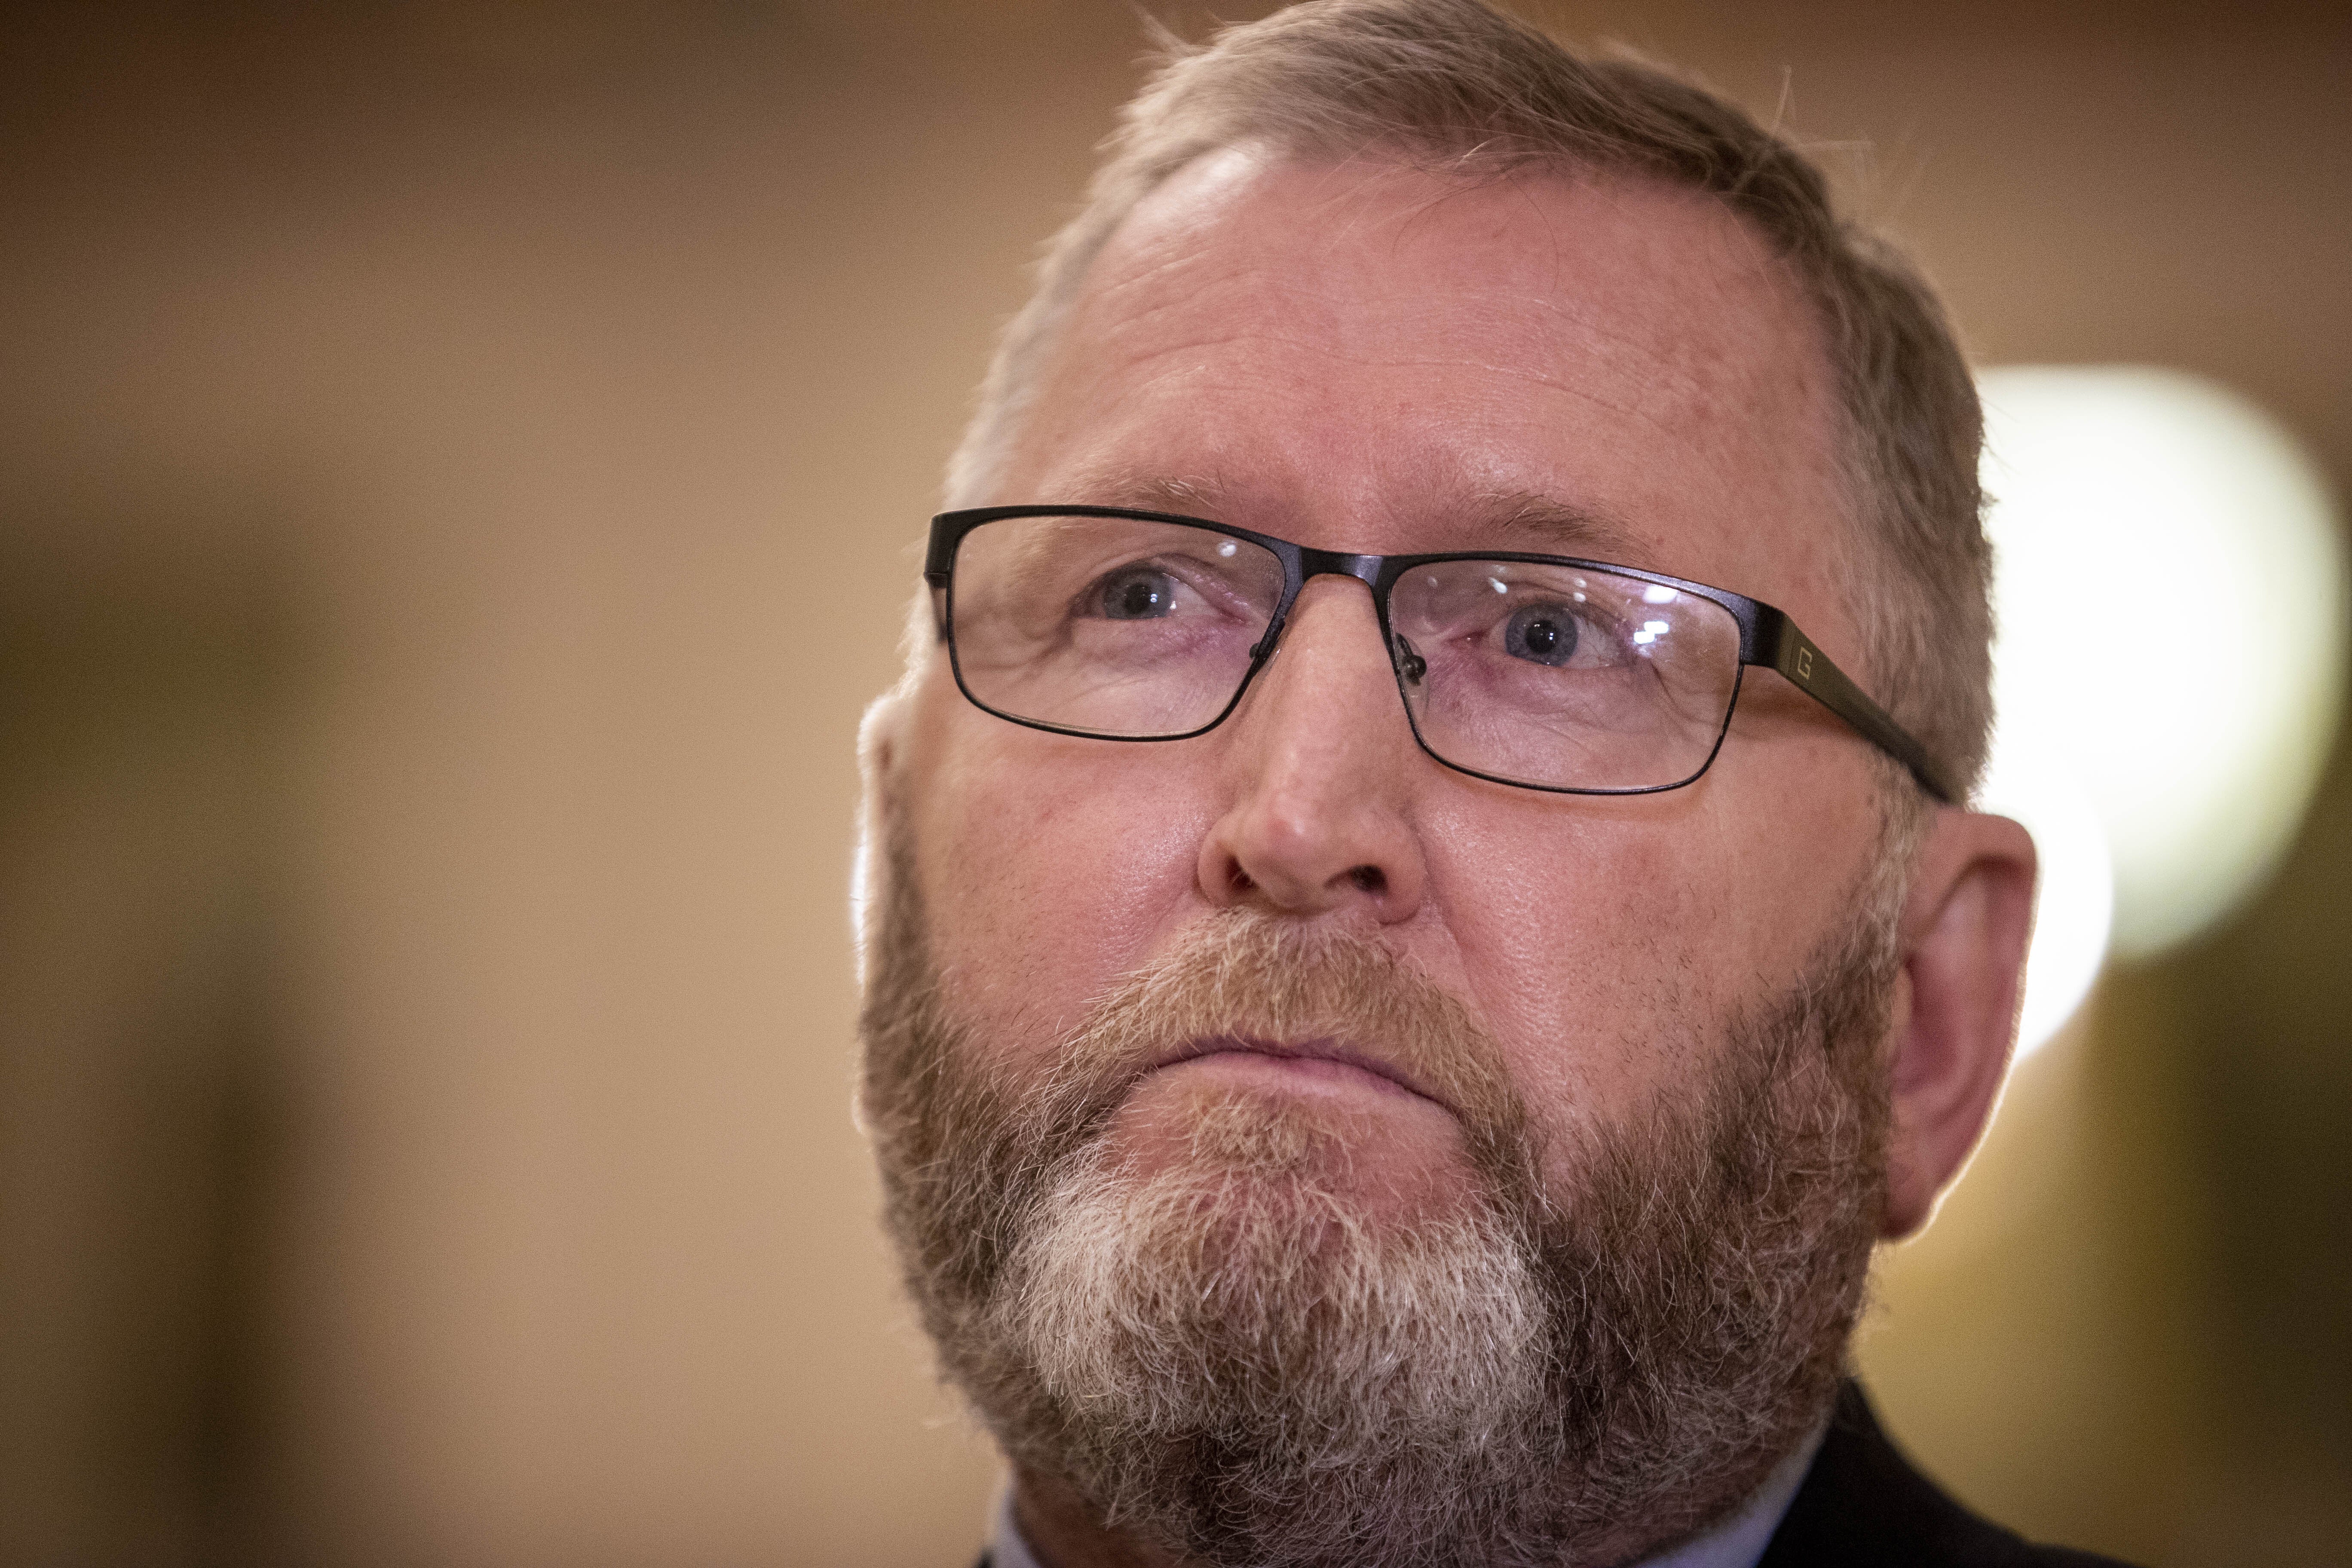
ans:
x=1331 y=1059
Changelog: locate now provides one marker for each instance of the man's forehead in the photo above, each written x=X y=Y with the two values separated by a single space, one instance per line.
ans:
x=1372 y=356
x=1660 y=271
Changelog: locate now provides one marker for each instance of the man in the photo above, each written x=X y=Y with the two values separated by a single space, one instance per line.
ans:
x=1419 y=913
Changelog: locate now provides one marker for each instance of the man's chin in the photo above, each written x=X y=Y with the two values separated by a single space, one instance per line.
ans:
x=1234 y=1342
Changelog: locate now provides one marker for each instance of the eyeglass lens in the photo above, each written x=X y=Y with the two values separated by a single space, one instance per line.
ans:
x=1558 y=676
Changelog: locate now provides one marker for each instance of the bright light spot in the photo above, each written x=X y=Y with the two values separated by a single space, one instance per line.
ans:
x=1580 y=598
x=1497 y=583
x=1655 y=595
x=2170 y=595
x=1226 y=548
x=1656 y=628
x=1644 y=636
x=2074 y=905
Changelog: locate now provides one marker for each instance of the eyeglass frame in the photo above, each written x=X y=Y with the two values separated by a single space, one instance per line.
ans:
x=1768 y=638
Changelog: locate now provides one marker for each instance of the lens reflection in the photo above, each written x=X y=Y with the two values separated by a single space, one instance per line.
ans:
x=1564 y=677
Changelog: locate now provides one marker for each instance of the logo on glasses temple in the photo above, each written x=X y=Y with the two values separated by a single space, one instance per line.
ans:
x=1804 y=664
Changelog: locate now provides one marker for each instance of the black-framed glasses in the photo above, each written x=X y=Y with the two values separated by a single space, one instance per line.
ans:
x=1544 y=671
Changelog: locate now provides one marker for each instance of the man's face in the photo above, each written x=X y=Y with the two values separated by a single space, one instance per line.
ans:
x=1492 y=1045
x=1381 y=361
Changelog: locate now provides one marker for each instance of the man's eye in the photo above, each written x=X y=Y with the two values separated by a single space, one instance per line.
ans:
x=1136 y=593
x=1541 y=634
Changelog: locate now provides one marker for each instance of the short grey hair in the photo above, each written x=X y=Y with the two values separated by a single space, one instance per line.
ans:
x=1458 y=87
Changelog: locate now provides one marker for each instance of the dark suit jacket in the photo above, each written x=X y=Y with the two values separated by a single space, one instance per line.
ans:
x=1862 y=1506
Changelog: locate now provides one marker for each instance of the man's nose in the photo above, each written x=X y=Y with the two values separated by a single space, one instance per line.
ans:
x=1322 y=766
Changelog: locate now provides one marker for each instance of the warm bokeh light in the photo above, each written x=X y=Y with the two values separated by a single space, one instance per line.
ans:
x=2075 y=901
x=2170 y=595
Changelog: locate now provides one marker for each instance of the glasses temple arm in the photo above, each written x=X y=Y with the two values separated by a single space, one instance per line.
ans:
x=1780 y=646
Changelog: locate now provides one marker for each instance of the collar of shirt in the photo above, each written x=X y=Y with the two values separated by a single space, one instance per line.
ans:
x=1738 y=1542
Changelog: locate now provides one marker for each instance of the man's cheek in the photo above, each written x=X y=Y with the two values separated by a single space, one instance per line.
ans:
x=1588 y=967
x=1040 y=900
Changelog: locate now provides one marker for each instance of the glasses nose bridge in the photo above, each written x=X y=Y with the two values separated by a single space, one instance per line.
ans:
x=1314 y=564
x=1364 y=569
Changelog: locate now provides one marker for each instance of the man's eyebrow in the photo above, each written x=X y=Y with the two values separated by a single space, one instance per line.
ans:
x=1189 y=495
x=1551 y=526
x=1519 y=519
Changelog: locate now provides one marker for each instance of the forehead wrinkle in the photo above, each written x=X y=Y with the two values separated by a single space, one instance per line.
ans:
x=1513 y=520
x=1203 y=240
x=1669 y=382
x=1643 y=409
x=1747 y=264
x=1556 y=298
x=1257 y=286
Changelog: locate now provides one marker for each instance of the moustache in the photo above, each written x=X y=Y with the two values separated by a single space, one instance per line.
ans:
x=1248 y=981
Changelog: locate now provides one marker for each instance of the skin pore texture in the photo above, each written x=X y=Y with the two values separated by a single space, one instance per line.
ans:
x=1220 y=1084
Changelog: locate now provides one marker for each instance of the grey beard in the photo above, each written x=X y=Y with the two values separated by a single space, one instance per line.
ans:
x=1232 y=1361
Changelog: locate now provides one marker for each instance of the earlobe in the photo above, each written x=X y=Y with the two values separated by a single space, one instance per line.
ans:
x=1966 y=925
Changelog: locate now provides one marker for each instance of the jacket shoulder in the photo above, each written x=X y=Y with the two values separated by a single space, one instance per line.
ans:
x=1864 y=1505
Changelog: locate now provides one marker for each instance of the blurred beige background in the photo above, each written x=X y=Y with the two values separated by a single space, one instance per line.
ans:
x=459 y=467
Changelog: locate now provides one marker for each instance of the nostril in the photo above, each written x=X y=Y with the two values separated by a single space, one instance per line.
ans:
x=1370 y=879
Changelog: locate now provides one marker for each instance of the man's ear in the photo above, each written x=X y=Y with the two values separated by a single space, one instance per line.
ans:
x=879 y=743
x=1965 y=928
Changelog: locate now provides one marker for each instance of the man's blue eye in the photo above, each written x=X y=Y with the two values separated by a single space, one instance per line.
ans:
x=1540 y=634
x=1139 y=596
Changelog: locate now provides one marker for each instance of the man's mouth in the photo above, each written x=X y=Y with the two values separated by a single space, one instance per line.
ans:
x=1306 y=1062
